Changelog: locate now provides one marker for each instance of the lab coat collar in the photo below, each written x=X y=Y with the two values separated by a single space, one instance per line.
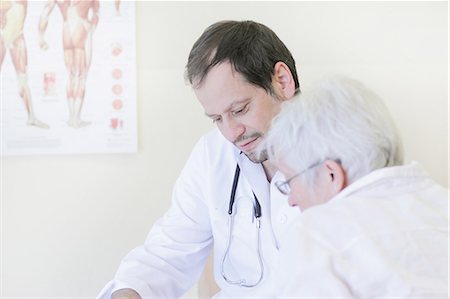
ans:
x=256 y=177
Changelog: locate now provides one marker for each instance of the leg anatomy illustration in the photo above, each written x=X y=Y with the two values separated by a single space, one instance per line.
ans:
x=80 y=21
x=12 y=19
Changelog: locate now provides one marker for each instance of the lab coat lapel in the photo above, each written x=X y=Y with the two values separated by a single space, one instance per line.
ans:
x=255 y=176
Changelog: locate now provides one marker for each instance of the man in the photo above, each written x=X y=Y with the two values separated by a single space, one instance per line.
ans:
x=241 y=73
x=371 y=227
x=80 y=21
x=12 y=20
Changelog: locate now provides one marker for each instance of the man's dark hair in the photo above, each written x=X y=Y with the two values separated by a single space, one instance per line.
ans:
x=251 y=48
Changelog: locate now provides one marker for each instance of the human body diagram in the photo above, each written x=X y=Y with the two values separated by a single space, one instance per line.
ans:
x=12 y=40
x=80 y=19
x=117 y=6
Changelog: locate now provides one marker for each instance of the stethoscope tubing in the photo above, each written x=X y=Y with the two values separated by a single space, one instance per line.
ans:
x=257 y=211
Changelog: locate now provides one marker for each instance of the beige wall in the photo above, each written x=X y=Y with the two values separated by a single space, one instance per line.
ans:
x=68 y=220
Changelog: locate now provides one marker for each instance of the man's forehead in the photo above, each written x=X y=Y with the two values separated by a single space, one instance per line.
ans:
x=220 y=72
x=223 y=88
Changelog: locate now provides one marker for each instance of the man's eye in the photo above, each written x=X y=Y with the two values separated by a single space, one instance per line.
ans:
x=240 y=111
x=216 y=120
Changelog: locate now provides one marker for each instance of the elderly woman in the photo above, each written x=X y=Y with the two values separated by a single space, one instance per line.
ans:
x=370 y=227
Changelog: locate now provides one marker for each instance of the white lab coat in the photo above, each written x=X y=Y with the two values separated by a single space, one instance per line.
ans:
x=175 y=251
x=384 y=236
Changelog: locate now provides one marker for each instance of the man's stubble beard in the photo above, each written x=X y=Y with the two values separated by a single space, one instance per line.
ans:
x=258 y=156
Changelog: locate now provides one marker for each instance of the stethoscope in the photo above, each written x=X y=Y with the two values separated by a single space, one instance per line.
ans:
x=257 y=213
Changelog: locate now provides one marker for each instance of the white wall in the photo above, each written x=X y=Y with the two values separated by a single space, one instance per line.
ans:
x=68 y=220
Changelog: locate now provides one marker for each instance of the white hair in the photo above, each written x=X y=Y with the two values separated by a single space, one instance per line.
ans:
x=338 y=119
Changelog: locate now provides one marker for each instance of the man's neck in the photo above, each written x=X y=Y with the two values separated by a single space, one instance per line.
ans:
x=269 y=170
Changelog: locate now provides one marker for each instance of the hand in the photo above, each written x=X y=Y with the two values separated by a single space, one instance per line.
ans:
x=43 y=45
x=125 y=294
x=2 y=20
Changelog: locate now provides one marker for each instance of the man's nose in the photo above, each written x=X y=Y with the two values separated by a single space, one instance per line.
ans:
x=233 y=129
x=291 y=200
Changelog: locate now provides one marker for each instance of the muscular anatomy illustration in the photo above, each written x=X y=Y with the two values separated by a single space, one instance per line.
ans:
x=117 y=5
x=80 y=20
x=12 y=19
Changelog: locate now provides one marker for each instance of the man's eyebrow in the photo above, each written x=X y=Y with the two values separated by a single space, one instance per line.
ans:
x=210 y=115
x=234 y=104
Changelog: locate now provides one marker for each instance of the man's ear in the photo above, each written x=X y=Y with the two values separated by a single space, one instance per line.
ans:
x=336 y=175
x=283 y=81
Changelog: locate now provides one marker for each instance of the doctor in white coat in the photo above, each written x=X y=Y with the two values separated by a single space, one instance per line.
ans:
x=224 y=197
x=371 y=226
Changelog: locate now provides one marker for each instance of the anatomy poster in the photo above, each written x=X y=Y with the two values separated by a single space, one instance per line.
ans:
x=68 y=77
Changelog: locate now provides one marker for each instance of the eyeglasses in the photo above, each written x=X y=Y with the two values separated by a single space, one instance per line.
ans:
x=284 y=187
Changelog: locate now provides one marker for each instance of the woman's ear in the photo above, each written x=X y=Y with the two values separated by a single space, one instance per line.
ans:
x=283 y=81
x=336 y=175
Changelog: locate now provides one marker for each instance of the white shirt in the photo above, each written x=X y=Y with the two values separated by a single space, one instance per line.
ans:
x=384 y=236
x=175 y=251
